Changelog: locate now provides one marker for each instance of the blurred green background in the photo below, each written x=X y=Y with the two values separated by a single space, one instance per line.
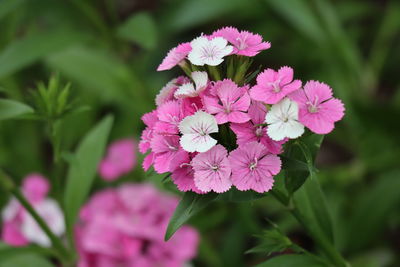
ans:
x=109 y=50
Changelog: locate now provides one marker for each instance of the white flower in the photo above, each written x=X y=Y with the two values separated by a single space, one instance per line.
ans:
x=283 y=120
x=10 y=210
x=209 y=52
x=200 y=79
x=196 y=130
x=49 y=210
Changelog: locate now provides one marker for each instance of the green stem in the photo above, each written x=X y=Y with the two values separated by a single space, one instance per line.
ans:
x=214 y=73
x=6 y=181
x=328 y=249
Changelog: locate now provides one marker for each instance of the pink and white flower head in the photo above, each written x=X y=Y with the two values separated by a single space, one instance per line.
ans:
x=175 y=56
x=212 y=170
x=209 y=52
x=228 y=102
x=19 y=228
x=244 y=43
x=196 y=130
x=164 y=147
x=253 y=167
x=255 y=130
x=116 y=231
x=272 y=86
x=283 y=121
x=120 y=159
x=189 y=89
x=318 y=109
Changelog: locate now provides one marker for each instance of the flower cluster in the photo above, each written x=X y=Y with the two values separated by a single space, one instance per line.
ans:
x=214 y=128
x=19 y=227
x=120 y=159
x=116 y=231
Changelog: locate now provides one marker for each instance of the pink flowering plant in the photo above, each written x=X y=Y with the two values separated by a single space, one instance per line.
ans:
x=224 y=131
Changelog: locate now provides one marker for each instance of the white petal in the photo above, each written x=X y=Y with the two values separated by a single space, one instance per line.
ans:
x=294 y=129
x=196 y=58
x=11 y=210
x=200 y=78
x=219 y=42
x=213 y=61
x=197 y=143
x=199 y=122
x=185 y=90
x=276 y=131
x=293 y=110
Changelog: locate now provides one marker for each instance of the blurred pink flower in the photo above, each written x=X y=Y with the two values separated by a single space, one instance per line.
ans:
x=244 y=43
x=272 y=86
x=126 y=227
x=175 y=56
x=120 y=159
x=253 y=167
x=19 y=228
x=318 y=110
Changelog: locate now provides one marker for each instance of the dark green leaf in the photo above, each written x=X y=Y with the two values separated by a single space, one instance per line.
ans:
x=25 y=260
x=83 y=168
x=190 y=204
x=234 y=195
x=293 y=260
x=24 y=52
x=298 y=161
x=141 y=29
x=11 y=109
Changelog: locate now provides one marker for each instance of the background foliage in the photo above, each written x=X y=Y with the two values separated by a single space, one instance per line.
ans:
x=109 y=50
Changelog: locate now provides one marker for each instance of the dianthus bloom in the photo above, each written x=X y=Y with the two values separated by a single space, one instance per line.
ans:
x=114 y=230
x=272 y=85
x=217 y=128
x=175 y=56
x=19 y=228
x=244 y=43
x=318 y=109
x=120 y=159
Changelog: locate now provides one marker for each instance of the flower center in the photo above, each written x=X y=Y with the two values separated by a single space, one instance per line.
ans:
x=313 y=106
x=214 y=167
x=275 y=86
x=259 y=131
x=242 y=43
x=253 y=164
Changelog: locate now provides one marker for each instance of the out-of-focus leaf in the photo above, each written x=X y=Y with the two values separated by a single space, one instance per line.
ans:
x=300 y=15
x=311 y=202
x=7 y=6
x=298 y=161
x=235 y=195
x=25 y=260
x=293 y=260
x=83 y=170
x=272 y=241
x=141 y=29
x=190 y=204
x=26 y=51
x=9 y=251
x=372 y=209
x=102 y=74
x=11 y=109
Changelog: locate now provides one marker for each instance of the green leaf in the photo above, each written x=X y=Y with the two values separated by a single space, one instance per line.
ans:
x=23 y=52
x=311 y=202
x=293 y=260
x=83 y=169
x=190 y=204
x=11 y=109
x=298 y=161
x=272 y=241
x=371 y=211
x=140 y=28
x=234 y=195
x=25 y=260
x=7 y=6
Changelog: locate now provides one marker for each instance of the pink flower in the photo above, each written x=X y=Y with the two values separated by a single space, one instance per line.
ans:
x=169 y=115
x=149 y=119
x=228 y=102
x=120 y=159
x=126 y=226
x=183 y=173
x=175 y=56
x=19 y=228
x=318 y=110
x=212 y=170
x=165 y=148
x=272 y=86
x=244 y=43
x=167 y=92
x=253 y=167
x=253 y=130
